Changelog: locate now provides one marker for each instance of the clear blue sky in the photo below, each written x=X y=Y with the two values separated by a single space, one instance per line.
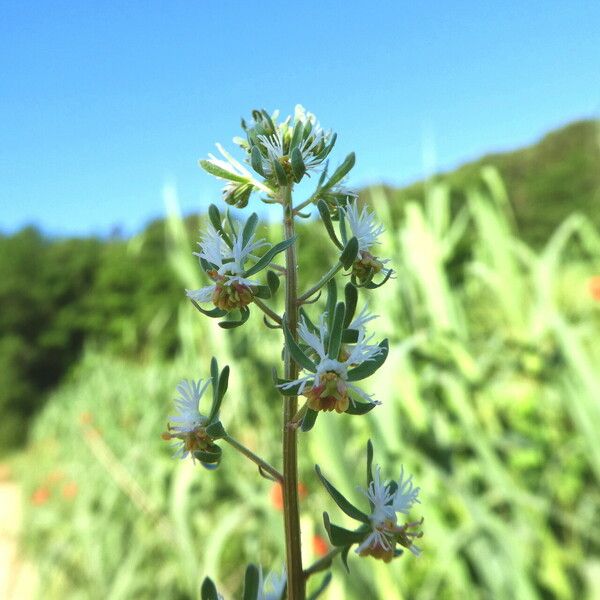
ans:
x=102 y=103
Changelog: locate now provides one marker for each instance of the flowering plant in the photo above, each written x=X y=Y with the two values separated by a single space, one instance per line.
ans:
x=325 y=357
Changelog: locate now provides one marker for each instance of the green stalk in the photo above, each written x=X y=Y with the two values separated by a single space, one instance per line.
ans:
x=262 y=464
x=291 y=515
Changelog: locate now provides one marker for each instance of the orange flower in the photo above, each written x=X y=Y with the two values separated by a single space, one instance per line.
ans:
x=70 y=490
x=40 y=496
x=594 y=287
x=319 y=545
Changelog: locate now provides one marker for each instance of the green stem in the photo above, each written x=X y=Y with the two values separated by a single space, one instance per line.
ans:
x=270 y=313
x=323 y=281
x=323 y=563
x=306 y=203
x=263 y=464
x=291 y=513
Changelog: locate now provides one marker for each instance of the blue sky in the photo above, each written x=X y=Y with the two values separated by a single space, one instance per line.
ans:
x=103 y=103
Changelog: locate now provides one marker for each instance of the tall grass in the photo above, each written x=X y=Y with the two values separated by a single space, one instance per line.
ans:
x=490 y=396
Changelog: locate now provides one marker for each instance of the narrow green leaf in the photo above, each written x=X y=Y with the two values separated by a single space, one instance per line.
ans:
x=249 y=228
x=214 y=376
x=298 y=166
x=369 y=464
x=208 y=591
x=244 y=314
x=360 y=408
x=297 y=354
x=221 y=172
x=251 y=582
x=370 y=366
x=256 y=161
x=341 y=501
x=272 y=281
x=335 y=333
x=210 y=456
x=296 y=135
x=309 y=419
x=351 y=298
x=350 y=336
x=331 y=302
x=373 y=286
x=342 y=226
x=215 y=218
x=341 y=171
x=340 y=536
x=344 y=557
x=216 y=430
x=268 y=256
x=261 y=291
x=282 y=178
x=213 y=313
x=326 y=218
x=349 y=253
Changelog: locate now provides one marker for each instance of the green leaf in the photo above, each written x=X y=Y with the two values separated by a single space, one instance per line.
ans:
x=221 y=172
x=268 y=256
x=272 y=281
x=344 y=556
x=216 y=430
x=214 y=376
x=249 y=228
x=296 y=135
x=309 y=419
x=282 y=178
x=210 y=456
x=322 y=587
x=298 y=166
x=256 y=161
x=297 y=354
x=326 y=218
x=251 y=582
x=351 y=299
x=331 y=302
x=219 y=390
x=208 y=591
x=341 y=501
x=339 y=536
x=370 y=366
x=214 y=313
x=223 y=382
x=360 y=408
x=261 y=291
x=244 y=314
x=342 y=225
x=215 y=218
x=341 y=171
x=369 y=465
x=373 y=286
x=349 y=253
x=335 y=333
x=350 y=336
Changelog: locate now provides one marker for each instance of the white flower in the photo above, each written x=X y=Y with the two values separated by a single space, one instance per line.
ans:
x=229 y=262
x=230 y=164
x=357 y=354
x=273 y=586
x=189 y=422
x=388 y=500
x=363 y=225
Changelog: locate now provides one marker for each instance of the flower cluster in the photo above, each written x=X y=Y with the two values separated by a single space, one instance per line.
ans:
x=230 y=289
x=194 y=432
x=386 y=500
x=328 y=387
x=379 y=532
x=366 y=230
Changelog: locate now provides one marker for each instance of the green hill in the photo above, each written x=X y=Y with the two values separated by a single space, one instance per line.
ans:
x=546 y=181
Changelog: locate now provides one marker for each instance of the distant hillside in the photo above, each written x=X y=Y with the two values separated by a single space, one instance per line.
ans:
x=546 y=181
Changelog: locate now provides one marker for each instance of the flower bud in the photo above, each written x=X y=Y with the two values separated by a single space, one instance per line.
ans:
x=330 y=394
x=367 y=266
x=229 y=296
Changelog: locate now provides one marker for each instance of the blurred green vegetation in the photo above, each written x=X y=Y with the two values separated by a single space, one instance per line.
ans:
x=490 y=397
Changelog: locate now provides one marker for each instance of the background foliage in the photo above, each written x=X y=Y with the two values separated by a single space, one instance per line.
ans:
x=490 y=397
